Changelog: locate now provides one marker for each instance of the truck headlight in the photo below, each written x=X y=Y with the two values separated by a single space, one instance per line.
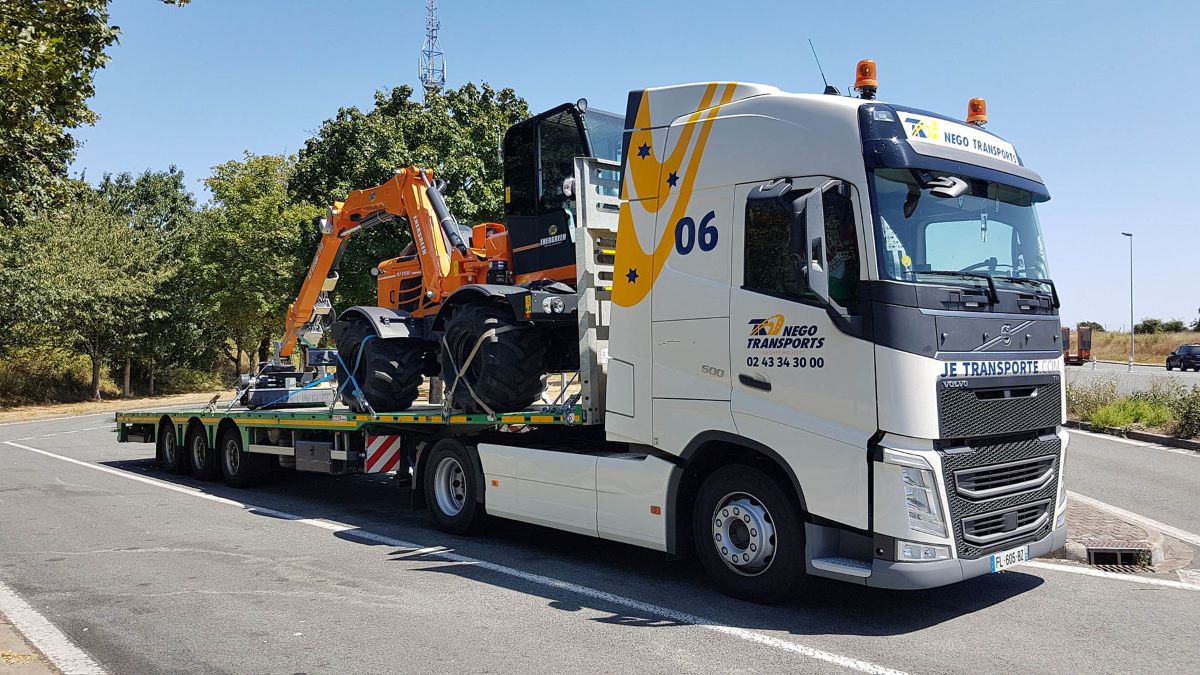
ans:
x=924 y=509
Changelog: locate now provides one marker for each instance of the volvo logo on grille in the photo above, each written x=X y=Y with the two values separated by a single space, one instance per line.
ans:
x=1006 y=333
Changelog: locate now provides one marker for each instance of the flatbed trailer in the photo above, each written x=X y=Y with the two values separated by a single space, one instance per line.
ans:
x=776 y=374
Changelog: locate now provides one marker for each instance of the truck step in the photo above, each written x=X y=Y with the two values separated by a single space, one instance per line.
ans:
x=850 y=566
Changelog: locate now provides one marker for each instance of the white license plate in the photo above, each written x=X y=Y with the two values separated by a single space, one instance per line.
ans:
x=1006 y=559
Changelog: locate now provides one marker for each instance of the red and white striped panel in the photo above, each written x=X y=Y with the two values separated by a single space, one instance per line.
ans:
x=383 y=453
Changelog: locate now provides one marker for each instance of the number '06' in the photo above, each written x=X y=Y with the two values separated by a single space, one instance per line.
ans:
x=686 y=236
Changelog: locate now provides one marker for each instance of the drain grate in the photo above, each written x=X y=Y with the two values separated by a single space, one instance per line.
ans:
x=1118 y=554
x=1122 y=569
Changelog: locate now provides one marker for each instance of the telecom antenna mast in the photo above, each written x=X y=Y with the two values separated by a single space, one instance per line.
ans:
x=432 y=65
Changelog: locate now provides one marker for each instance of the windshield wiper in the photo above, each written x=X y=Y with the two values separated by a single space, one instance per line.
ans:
x=993 y=296
x=1030 y=281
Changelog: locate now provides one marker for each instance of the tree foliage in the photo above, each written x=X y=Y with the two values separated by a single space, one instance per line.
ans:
x=251 y=247
x=455 y=132
x=49 y=50
x=1094 y=325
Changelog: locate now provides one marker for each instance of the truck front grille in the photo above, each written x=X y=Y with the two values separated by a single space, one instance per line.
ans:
x=999 y=527
x=998 y=491
x=998 y=480
x=988 y=411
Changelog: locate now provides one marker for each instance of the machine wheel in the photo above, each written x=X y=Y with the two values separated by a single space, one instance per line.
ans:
x=506 y=372
x=388 y=371
x=450 y=488
x=1169 y=366
x=204 y=461
x=170 y=455
x=749 y=535
x=240 y=468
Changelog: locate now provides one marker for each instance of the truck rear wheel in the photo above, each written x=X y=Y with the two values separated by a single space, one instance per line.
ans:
x=170 y=455
x=389 y=371
x=203 y=459
x=450 y=488
x=506 y=370
x=240 y=468
x=748 y=534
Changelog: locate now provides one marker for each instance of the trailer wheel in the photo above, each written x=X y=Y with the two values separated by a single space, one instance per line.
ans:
x=240 y=468
x=203 y=459
x=505 y=373
x=389 y=372
x=172 y=457
x=450 y=488
x=749 y=535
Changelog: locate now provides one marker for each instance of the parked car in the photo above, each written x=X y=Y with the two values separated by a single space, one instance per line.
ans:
x=1187 y=356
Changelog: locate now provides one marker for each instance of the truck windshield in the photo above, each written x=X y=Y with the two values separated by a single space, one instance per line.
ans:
x=987 y=229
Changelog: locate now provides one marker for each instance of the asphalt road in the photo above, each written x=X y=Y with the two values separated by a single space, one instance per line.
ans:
x=1149 y=480
x=1139 y=379
x=148 y=572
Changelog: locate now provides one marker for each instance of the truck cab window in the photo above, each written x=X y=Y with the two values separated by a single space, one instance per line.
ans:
x=560 y=144
x=775 y=258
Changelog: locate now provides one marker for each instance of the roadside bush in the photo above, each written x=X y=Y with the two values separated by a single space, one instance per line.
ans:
x=1085 y=398
x=48 y=375
x=1187 y=414
x=1131 y=411
x=184 y=380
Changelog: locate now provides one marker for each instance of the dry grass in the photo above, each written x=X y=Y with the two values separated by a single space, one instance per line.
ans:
x=1151 y=348
x=31 y=412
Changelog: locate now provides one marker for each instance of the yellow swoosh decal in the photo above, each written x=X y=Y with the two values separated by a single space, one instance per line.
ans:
x=635 y=270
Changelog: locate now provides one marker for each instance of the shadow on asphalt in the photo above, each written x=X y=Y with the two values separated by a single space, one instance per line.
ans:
x=373 y=504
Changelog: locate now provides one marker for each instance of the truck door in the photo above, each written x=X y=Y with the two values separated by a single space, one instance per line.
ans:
x=801 y=385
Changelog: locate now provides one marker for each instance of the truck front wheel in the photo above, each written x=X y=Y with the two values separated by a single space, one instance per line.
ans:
x=451 y=487
x=749 y=535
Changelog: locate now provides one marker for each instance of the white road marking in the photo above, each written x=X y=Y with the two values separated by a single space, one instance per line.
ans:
x=53 y=419
x=1182 y=535
x=49 y=640
x=1130 y=441
x=1189 y=576
x=1092 y=572
x=596 y=594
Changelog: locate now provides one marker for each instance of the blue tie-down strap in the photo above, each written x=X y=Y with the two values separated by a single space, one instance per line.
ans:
x=358 y=392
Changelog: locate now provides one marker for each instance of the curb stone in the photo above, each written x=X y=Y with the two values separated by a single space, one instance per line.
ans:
x=1170 y=441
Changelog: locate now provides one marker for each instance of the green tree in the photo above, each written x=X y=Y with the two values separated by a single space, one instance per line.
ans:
x=252 y=251
x=455 y=132
x=1094 y=325
x=175 y=328
x=87 y=262
x=1148 y=326
x=1174 y=326
x=49 y=50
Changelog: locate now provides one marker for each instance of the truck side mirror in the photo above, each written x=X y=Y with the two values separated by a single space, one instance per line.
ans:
x=818 y=275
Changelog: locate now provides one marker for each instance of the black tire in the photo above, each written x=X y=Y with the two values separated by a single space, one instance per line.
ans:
x=389 y=372
x=1170 y=367
x=240 y=468
x=758 y=522
x=506 y=372
x=202 y=457
x=171 y=456
x=451 y=486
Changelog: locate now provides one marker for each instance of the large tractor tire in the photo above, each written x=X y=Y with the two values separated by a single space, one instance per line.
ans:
x=388 y=371
x=506 y=371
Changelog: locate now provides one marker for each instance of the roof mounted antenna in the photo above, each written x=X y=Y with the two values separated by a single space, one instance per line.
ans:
x=829 y=89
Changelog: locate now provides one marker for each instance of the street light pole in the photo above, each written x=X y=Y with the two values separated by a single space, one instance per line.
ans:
x=1132 y=345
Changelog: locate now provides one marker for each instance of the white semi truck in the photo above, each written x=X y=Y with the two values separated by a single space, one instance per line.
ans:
x=817 y=337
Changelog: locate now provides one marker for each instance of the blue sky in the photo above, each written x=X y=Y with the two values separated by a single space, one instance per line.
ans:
x=1096 y=96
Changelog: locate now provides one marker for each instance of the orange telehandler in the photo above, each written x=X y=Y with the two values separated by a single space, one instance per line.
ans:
x=491 y=308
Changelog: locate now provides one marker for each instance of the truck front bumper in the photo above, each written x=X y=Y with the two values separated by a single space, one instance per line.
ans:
x=918 y=575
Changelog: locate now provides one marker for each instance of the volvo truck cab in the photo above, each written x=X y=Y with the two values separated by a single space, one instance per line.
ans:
x=853 y=297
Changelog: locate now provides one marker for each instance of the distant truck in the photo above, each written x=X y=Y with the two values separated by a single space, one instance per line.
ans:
x=814 y=336
x=1083 y=346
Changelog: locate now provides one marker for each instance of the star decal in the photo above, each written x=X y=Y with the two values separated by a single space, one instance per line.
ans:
x=672 y=179
x=644 y=150
x=632 y=275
